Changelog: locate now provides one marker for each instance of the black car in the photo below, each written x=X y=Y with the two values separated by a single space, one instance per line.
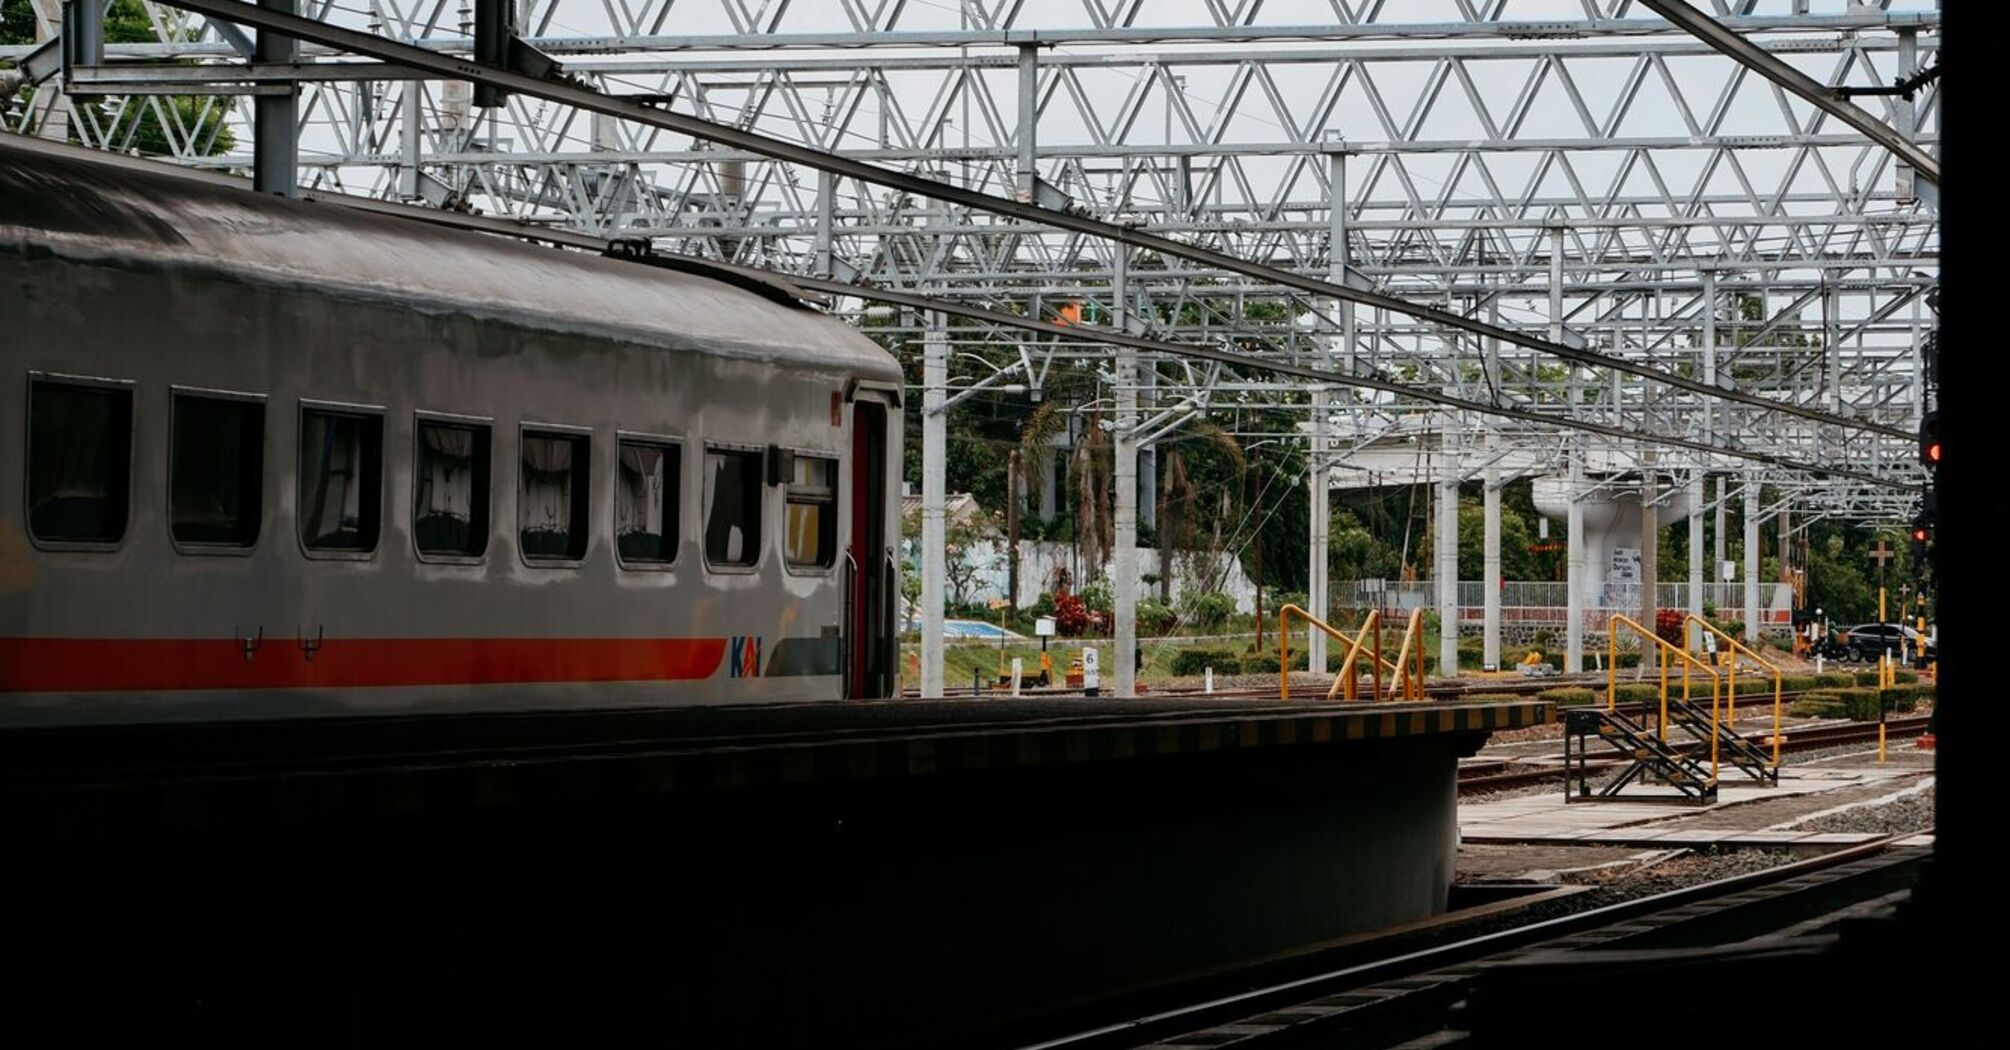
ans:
x=1867 y=641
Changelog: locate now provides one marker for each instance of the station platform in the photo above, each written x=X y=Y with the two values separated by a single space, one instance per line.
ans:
x=223 y=773
x=883 y=875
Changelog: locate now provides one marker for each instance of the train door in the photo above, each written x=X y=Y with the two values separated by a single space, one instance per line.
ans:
x=869 y=562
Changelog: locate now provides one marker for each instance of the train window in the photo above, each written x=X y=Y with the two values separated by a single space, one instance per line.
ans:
x=80 y=450
x=813 y=512
x=216 y=470
x=450 y=511
x=341 y=479
x=645 y=503
x=733 y=482
x=551 y=501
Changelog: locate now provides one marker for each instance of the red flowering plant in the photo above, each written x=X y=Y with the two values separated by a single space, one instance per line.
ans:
x=1668 y=624
x=1071 y=614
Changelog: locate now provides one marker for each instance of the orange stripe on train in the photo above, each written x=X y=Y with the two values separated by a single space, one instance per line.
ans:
x=151 y=664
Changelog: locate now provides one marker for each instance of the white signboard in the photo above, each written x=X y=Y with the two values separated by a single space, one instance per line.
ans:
x=1043 y=627
x=1625 y=565
x=1730 y=571
x=1709 y=642
x=1090 y=678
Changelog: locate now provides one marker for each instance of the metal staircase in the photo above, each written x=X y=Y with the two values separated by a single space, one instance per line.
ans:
x=1653 y=759
x=1732 y=747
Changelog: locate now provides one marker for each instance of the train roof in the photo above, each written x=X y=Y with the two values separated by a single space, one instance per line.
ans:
x=74 y=204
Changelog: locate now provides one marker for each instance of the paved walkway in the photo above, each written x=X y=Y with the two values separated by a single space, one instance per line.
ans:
x=1547 y=819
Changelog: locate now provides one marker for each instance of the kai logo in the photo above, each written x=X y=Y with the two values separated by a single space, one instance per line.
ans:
x=744 y=656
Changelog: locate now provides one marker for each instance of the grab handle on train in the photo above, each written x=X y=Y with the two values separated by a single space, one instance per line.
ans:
x=249 y=643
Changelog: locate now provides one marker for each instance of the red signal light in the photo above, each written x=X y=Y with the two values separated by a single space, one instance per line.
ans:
x=1933 y=452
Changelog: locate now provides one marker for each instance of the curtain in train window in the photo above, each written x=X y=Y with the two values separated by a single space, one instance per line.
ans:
x=551 y=501
x=813 y=512
x=450 y=515
x=732 y=507
x=645 y=503
x=80 y=441
x=341 y=480
x=216 y=470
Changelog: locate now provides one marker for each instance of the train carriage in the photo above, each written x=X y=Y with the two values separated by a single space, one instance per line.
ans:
x=267 y=458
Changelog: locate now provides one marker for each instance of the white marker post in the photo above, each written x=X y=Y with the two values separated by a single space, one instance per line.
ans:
x=1018 y=671
x=1090 y=678
x=1209 y=687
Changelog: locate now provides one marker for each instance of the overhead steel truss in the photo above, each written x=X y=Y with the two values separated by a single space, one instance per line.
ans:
x=1581 y=232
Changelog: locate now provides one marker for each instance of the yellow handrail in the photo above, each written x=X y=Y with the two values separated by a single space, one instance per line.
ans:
x=1368 y=639
x=1350 y=674
x=1612 y=679
x=1413 y=642
x=1731 y=704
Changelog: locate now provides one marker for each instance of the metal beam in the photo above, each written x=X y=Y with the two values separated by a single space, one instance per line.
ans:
x=1762 y=62
x=569 y=94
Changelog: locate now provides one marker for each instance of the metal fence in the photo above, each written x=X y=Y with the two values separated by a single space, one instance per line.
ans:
x=1545 y=602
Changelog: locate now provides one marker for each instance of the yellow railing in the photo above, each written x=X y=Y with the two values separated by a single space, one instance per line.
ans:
x=1368 y=641
x=1661 y=727
x=1731 y=682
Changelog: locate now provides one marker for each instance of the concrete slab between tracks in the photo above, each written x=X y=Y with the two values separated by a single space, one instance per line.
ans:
x=1549 y=819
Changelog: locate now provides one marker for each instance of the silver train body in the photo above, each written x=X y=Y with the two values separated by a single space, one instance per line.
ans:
x=266 y=459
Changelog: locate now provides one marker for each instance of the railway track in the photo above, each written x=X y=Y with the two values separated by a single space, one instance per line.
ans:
x=1409 y=992
x=1493 y=775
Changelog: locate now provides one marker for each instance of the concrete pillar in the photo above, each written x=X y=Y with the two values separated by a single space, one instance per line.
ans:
x=1573 y=573
x=1718 y=546
x=1491 y=646
x=1124 y=568
x=1650 y=547
x=1751 y=558
x=1490 y=572
x=1695 y=550
x=275 y=118
x=1148 y=455
x=1447 y=571
x=1316 y=540
x=934 y=472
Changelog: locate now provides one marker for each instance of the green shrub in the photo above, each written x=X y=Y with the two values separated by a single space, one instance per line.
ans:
x=1797 y=683
x=1831 y=680
x=1262 y=663
x=1817 y=705
x=1156 y=616
x=1869 y=678
x=1493 y=698
x=1196 y=661
x=1637 y=693
x=1903 y=677
x=1859 y=704
x=1905 y=696
x=1570 y=696
x=1208 y=612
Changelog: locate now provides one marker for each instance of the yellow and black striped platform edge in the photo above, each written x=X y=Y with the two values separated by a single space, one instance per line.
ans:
x=560 y=779
x=948 y=752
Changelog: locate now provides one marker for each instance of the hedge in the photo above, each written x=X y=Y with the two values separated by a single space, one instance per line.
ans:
x=1569 y=696
x=1834 y=680
x=1797 y=683
x=1817 y=705
x=1905 y=696
x=1196 y=661
x=1492 y=698
x=1637 y=693
x=1905 y=677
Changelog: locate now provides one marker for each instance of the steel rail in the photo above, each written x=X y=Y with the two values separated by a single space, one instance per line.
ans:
x=569 y=94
